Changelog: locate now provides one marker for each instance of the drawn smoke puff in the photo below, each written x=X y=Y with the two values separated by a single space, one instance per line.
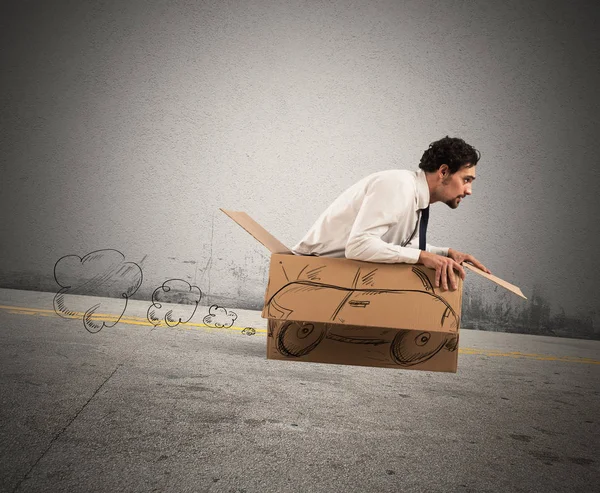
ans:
x=182 y=296
x=249 y=331
x=219 y=317
x=103 y=273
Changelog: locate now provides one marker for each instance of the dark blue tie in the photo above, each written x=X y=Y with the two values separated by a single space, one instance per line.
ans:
x=423 y=228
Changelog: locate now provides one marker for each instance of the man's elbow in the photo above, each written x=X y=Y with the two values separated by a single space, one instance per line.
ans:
x=356 y=249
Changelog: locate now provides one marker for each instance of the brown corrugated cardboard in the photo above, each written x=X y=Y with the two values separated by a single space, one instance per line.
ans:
x=497 y=280
x=363 y=346
x=258 y=232
x=334 y=310
x=342 y=291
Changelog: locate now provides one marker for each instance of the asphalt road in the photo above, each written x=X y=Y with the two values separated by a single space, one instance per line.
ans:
x=134 y=407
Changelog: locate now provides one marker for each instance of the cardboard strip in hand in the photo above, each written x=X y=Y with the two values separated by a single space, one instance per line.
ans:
x=506 y=285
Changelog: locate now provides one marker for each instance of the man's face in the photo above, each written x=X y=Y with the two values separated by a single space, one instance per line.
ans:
x=457 y=186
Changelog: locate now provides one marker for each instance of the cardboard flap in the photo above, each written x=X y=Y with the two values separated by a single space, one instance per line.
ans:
x=257 y=231
x=497 y=280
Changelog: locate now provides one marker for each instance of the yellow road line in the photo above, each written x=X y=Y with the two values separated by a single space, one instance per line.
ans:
x=190 y=325
x=105 y=317
x=518 y=354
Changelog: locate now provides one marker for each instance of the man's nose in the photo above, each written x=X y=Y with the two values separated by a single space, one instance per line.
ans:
x=468 y=190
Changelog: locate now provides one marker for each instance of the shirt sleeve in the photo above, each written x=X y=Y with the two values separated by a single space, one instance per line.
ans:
x=437 y=250
x=385 y=202
x=414 y=243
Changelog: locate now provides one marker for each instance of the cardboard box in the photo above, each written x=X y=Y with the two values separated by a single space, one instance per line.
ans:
x=336 y=310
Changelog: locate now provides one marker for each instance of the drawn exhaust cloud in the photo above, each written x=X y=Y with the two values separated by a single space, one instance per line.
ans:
x=183 y=299
x=102 y=273
x=219 y=317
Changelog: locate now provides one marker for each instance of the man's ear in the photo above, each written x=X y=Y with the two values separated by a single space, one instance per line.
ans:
x=444 y=170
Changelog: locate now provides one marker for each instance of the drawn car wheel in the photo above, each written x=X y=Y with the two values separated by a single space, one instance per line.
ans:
x=410 y=349
x=296 y=339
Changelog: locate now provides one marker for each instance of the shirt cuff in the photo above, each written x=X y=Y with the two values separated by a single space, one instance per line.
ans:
x=438 y=250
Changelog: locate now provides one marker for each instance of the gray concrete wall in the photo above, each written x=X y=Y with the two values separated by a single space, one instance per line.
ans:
x=127 y=124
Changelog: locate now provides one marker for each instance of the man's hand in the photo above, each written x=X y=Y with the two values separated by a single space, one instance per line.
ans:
x=460 y=257
x=444 y=269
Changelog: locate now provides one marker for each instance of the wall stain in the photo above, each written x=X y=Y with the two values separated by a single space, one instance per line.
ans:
x=533 y=317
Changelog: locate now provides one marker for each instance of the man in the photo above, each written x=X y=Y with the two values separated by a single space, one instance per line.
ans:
x=378 y=218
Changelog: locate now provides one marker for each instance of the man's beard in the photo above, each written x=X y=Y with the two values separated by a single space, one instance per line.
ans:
x=453 y=204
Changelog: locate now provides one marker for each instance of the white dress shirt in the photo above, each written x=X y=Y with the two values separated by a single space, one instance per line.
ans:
x=375 y=220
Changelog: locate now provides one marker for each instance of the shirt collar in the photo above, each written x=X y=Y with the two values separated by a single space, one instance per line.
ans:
x=422 y=189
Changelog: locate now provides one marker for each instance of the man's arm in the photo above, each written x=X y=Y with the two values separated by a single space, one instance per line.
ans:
x=384 y=204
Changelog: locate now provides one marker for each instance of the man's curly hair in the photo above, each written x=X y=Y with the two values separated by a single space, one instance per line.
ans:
x=452 y=151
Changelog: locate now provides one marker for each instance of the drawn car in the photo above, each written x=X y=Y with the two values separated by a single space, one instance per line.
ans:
x=407 y=347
